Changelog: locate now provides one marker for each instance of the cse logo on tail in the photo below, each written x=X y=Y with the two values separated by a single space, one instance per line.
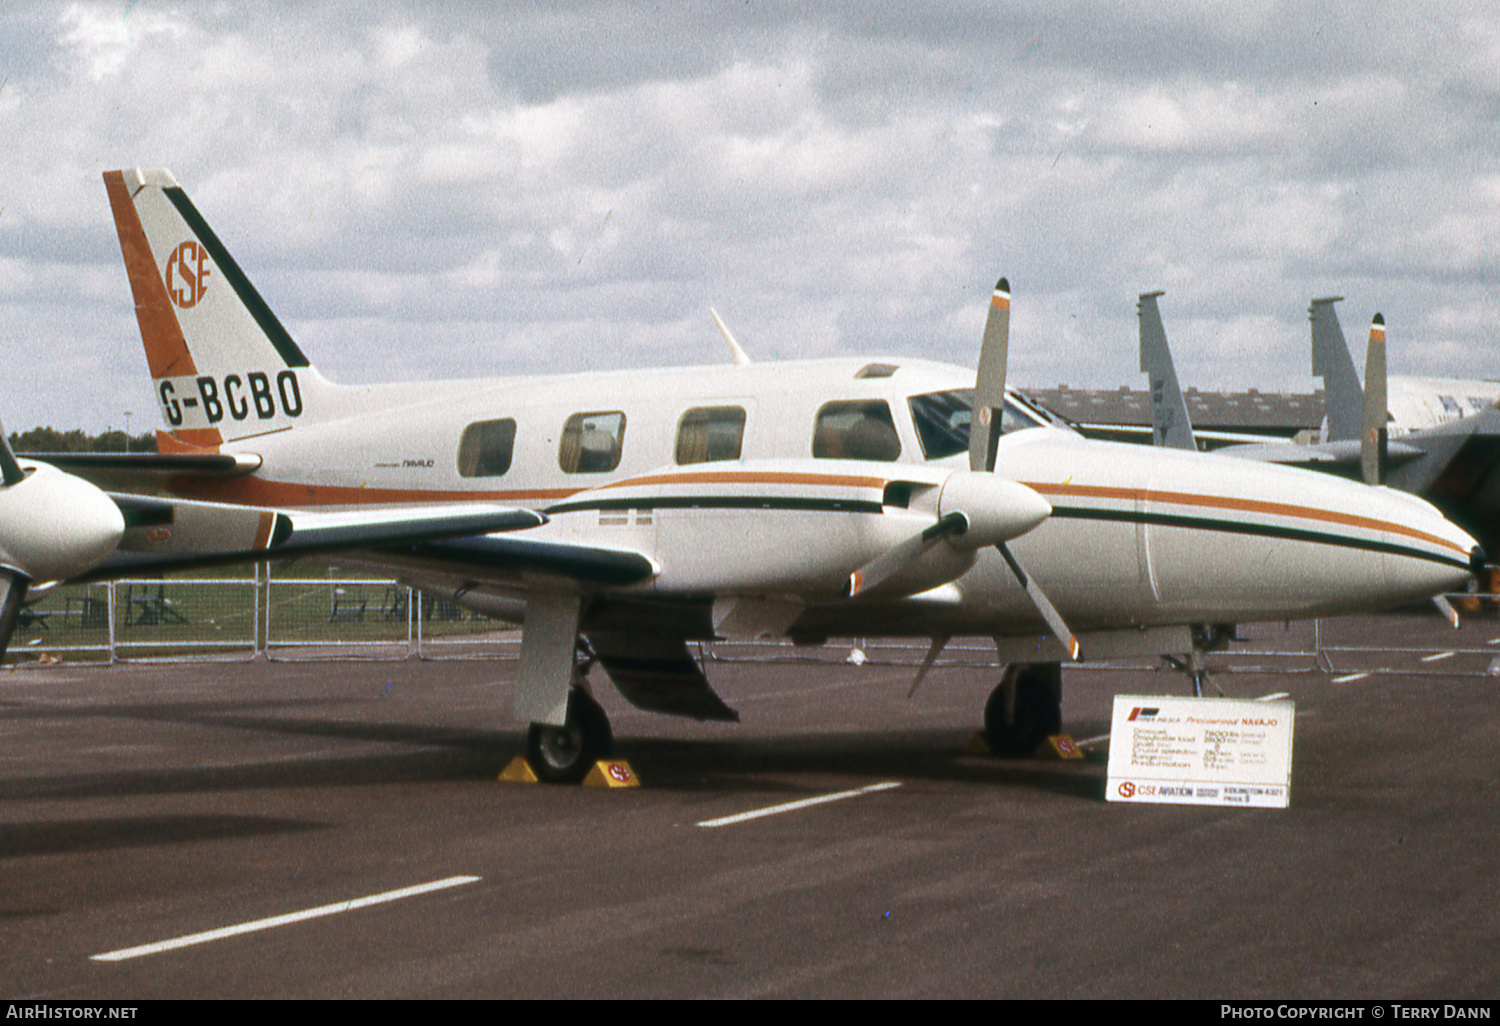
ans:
x=234 y=395
x=186 y=274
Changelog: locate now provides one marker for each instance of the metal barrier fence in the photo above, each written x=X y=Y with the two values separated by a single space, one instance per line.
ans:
x=245 y=618
x=340 y=618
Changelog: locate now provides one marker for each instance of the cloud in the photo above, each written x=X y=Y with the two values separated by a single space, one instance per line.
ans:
x=434 y=191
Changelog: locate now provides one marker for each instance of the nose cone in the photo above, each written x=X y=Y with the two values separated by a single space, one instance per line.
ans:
x=54 y=526
x=998 y=509
x=1427 y=553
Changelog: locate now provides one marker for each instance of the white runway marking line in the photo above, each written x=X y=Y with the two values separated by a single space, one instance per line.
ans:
x=282 y=920
x=1350 y=677
x=772 y=810
x=1438 y=656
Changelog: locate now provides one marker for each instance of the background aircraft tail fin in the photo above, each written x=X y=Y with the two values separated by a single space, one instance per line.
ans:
x=1372 y=436
x=1331 y=362
x=1170 y=424
x=223 y=365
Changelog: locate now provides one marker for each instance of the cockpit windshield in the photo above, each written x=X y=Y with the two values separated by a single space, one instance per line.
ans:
x=942 y=420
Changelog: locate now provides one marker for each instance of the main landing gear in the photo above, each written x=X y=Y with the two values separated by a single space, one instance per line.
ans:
x=563 y=755
x=1024 y=709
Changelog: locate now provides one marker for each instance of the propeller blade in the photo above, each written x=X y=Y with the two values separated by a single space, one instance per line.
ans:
x=989 y=382
x=11 y=602
x=1372 y=435
x=10 y=471
x=1042 y=603
x=899 y=556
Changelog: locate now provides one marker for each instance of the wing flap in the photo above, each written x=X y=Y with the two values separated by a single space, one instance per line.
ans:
x=655 y=673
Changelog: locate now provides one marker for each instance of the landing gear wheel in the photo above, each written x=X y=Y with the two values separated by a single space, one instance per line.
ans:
x=563 y=755
x=1014 y=729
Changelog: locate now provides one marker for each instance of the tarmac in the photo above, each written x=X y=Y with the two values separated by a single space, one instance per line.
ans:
x=336 y=829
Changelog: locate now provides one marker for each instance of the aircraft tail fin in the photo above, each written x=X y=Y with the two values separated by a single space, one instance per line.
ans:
x=223 y=365
x=1373 y=439
x=1170 y=424
x=1331 y=362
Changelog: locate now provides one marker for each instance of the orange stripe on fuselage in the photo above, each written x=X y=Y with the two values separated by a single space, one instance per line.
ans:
x=1280 y=509
x=256 y=491
x=166 y=351
x=751 y=477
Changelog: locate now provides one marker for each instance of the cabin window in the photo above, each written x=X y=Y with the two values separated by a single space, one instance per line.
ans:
x=858 y=430
x=485 y=448
x=592 y=443
x=710 y=433
x=942 y=420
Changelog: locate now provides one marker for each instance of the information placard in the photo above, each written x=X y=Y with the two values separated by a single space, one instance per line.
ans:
x=1201 y=751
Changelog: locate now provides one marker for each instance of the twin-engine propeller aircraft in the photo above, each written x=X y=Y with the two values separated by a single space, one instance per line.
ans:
x=801 y=500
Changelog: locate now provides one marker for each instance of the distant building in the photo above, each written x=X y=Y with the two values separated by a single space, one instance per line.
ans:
x=1252 y=413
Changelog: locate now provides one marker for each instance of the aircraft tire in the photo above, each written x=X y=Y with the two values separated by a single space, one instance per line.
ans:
x=564 y=755
x=1038 y=710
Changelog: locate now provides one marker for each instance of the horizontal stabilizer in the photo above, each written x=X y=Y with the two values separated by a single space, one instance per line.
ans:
x=165 y=534
x=88 y=464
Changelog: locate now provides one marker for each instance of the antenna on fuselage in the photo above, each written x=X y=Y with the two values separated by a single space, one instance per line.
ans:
x=738 y=355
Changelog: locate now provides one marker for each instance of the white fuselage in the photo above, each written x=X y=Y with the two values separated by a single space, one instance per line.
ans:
x=1417 y=404
x=1138 y=536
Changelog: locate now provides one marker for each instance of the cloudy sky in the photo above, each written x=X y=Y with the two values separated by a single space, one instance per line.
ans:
x=422 y=191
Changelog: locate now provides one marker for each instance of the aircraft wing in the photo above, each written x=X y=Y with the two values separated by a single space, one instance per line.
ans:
x=511 y=556
x=1329 y=456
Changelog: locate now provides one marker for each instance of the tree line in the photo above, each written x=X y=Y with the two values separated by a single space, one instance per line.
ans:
x=48 y=439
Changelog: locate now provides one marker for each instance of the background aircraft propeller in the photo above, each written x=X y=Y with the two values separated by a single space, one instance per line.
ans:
x=1372 y=435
